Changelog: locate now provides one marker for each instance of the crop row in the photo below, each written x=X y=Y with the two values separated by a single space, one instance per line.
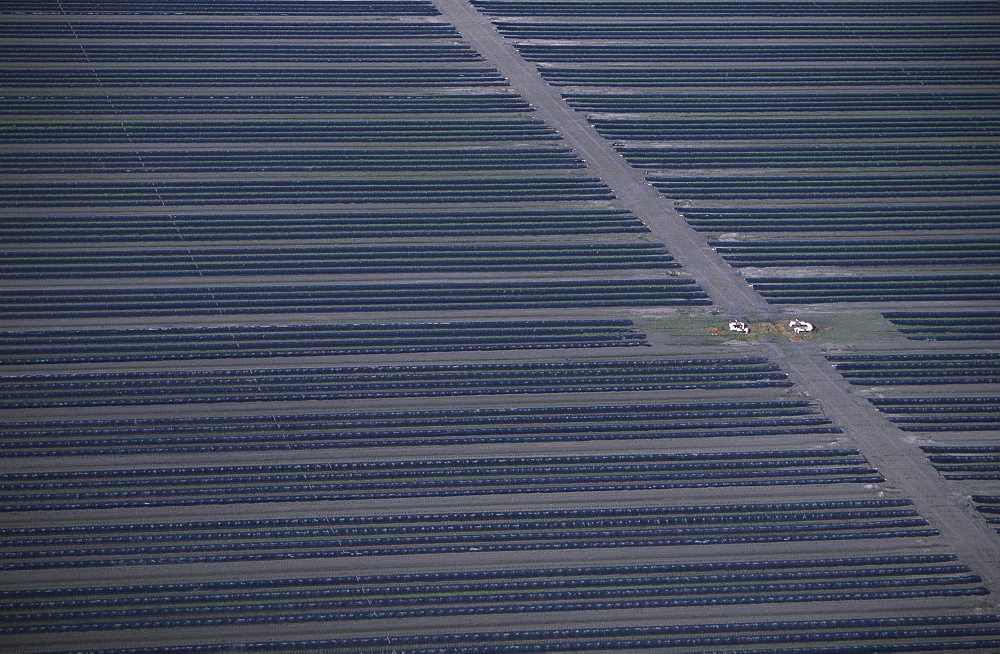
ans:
x=909 y=288
x=297 y=226
x=412 y=428
x=223 y=7
x=128 y=52
x=941 y=413
x=74 y=615
x=721 y=102
x=393 y=535
x=801 y=76
x=262 y=76
x=989 y=506
x=537 y=590
x=946 y=326
x=809 y=156
x=767 y=8
x=431 y=478
x=387 y=473
x=38 y=264
x=878 y=370
x=259 y=131
x=666 y=52
x=389 y=583
x=737 y=127
x=252 y=31
x=266 y=104
x=201 y=161
x=800 y=29
x=512 y=591
x=815 y=186
x=965 y=462
x=263 y=613
x=862 y=361
x=238 y=341
x=924 y=404
x=842 y=218
x=320 y=298
x=187 y=386
x=925 y=634
x=161 y=193
x=844 y=252
x=220 y=441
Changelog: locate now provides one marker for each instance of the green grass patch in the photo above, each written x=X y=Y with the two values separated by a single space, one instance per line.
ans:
x=829 y=328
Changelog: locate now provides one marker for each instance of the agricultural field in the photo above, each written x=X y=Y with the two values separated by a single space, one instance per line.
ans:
x=407 y=326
